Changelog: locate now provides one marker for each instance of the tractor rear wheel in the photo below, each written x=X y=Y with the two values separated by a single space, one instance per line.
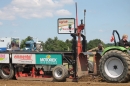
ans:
x=115 y=66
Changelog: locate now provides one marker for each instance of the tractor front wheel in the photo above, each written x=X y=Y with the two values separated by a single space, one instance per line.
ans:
x=115 y=66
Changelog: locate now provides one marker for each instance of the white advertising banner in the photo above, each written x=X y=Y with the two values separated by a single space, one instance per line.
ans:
x=66 y=25
x=23 y=58
x=4 y=58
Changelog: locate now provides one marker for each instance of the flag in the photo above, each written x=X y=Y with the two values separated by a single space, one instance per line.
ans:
x=112 y=39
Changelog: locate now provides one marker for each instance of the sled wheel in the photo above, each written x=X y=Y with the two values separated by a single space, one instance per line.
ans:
x=60 y=73
x=90 y=66
x=6 y=71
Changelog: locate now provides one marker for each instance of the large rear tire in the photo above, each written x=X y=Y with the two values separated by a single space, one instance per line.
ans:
x=115 y=66
x=7 y=71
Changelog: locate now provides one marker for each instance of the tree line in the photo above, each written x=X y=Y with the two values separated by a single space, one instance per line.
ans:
x=55 y=44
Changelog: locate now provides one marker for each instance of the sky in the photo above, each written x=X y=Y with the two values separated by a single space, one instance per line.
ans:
x=38 y=18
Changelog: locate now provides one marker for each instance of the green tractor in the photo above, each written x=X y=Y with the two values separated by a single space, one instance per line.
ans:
x=114 y=66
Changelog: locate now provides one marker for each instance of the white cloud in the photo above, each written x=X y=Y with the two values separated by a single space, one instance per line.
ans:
x=67 y=1
x=6 y=15
x=34 y=9
x=1 y=23
x=63 y=12
x=100 y=30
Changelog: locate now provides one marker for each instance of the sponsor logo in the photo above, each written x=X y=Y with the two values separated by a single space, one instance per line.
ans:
x=23 y=57
x=48 y=60
x=63 y=21
x=2 y=57
x=66 y=29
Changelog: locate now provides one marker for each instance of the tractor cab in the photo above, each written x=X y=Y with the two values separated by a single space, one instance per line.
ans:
x=33 y=46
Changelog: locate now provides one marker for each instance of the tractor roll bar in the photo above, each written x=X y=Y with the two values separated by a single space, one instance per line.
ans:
x=115 y=31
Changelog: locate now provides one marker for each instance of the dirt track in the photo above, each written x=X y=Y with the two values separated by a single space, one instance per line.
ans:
x=84 y=81
x=42 y=83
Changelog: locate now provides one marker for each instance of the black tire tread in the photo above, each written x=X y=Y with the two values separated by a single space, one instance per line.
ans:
x=125 y=56
x=12 y=73
x=90 y=65
x=65 y=73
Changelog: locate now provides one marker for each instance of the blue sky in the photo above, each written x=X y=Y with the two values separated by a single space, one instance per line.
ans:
x=38 y=18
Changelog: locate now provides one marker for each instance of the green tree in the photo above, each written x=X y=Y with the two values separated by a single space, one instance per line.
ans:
x=55 y=45
x=94 y=43
x=22 y=45
x=109 y=44
x=69 y=44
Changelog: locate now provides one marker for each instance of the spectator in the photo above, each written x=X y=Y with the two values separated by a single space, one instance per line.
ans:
x=99 y=48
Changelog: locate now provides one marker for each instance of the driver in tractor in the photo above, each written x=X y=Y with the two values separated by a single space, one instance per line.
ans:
x=123 y=42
